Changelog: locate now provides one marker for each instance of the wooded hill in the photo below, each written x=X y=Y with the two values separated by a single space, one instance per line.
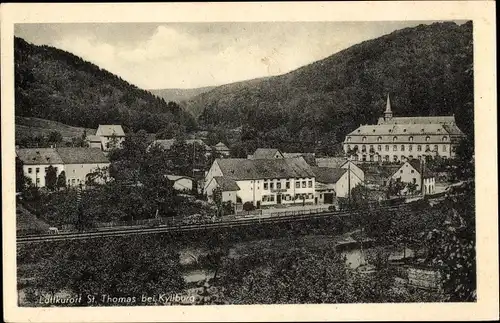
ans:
x=427 y=70
x=56 y=85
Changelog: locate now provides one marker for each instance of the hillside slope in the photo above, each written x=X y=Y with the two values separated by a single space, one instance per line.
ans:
x=32 y=127
x=427 y=70
x=56 y=85
x=179 y=95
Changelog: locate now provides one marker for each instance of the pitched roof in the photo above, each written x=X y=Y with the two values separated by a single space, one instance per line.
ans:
x=168 y=143
x=221 y=146
x=417 y=164
x=376 y=172
x=110 y=129
x=226 y=184
x=310 y=158
x=420 y=120
x=328 y=175
x=39 y=156
x=79 y=155
x=333 y=162
x=247 y=169
x=177 y=177
x=265 y=153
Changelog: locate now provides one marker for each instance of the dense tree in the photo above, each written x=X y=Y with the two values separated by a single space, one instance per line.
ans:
x=61 y=180
x=51 y=178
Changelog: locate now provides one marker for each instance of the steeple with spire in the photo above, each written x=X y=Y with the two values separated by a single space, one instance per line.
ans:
x=388 y=111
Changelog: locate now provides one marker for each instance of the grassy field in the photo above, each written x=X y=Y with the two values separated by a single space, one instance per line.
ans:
x=26 y=126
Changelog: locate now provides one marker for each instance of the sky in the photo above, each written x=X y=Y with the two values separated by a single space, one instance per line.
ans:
x=190 y=55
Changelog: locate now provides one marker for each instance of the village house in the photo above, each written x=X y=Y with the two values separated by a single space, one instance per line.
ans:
x=341 y=162
x=263 y=182
x=310 y=158
x=400 y=138
x=77 y=163
x=36 y=162
x=334 y=182
x=107 y=137
x=181 y=183
x=222 y=149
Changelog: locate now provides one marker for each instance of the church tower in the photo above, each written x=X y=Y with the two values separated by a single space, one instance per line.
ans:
x=388 y=111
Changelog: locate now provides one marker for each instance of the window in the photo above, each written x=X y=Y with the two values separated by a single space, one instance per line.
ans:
x=395 y=158
x=385 y=183
x=55 y=169
x=348 y=147
x=271 y=185
x=410 y=157
x=427 y=148
x=303 y=184
x=73 y=181
x=379 y=147
x=321 y=196
x=278 y=185
x=414 y=180
x=310 y=184
x=412 y=171
x=271 y=198
x=445 y=138
x=401 y=171
x=394 y=138
x=444 y=147
x=38 y=170
x=264 y=198
x=287 y=184
x=419 y=148
x=363 y=148
x=348 y=138
x=404 y=130
x=364 y=158
x=410 y=138
x=386 y=158
x=435 y=147
x=297 y=184
x=402 y=147
x=364 y=139
x=266 y=186
x=386 y=147
x=395 y=148
x=371 y=158
x=410 y=147
x=427 y=138
x=29 y=170
x=37 y=181
x=46 y=169
x=379 y=139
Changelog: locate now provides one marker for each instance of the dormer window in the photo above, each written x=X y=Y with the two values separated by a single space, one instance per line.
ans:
x=364 y=139
x=410 y=138
x=390 y=130
x=422 y=130
x=373 y=130
x=348 y=138
x=394 y=138
x=359 y=130
x=445 y=138
x=404 y=130
x=427 y=138
x=379 y=139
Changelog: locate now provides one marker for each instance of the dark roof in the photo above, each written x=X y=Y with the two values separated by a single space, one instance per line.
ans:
x=243 y=169
x=310 y=158
x=37 y=156
x=79 y=155
x=226 y=184
x=328 y=175
x=221 y=146
x=421 y=120
x=417 y=164
x=110 y=129
x=452 y=129
x=265 y=153
x=333 y=162
x=374 y=172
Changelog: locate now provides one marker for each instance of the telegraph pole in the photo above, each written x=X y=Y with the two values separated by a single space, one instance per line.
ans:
x=349 y=182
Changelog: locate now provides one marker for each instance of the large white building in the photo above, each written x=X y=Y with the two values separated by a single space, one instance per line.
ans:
x=107 y=137
x=76 y=162
x=400 y=138
x=262 y=181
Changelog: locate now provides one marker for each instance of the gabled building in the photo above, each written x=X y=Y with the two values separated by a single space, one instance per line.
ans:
x=341 y=162
x=107 y=137
x=181 y=183
x=310 y=158
x=76 y=162
x=222 y=149
x=263 y=181
x=415 y=172
x=340 y=180
x=397 y=139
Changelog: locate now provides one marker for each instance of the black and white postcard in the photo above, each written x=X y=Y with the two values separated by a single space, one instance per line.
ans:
x=172 y=162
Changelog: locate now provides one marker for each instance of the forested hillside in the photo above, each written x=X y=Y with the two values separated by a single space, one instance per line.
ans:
x=428 y=70
x=56 y=85
x=180 y=95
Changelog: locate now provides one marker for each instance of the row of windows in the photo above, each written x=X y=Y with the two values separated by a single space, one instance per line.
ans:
x=395 y=138
x=287 y=197
x=387 y=157
x=395 y=148
x=298 y=184
x=37 y=170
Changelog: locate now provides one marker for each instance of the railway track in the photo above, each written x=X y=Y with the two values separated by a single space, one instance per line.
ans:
x=193 y=227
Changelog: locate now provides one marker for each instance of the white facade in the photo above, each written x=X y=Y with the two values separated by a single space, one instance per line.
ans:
x=37 y=172
x=342 y=185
